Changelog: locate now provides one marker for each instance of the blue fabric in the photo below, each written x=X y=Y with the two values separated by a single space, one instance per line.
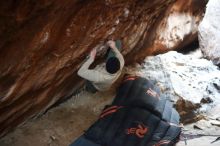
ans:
x=90 y=87
x=139 y=107
x=82 y=141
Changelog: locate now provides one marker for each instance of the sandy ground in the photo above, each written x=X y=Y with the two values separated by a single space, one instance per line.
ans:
x=61 y=125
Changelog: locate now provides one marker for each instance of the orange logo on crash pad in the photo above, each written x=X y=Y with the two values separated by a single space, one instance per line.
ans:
x=139 y=131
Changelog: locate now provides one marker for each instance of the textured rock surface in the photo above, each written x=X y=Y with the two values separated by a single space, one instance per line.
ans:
x=209 y=32
x=187 y=80
x=178 y=28
x=63 y=124
x=42 y=44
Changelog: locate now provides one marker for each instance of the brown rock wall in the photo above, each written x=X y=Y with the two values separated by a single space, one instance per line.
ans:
x=43 y=43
